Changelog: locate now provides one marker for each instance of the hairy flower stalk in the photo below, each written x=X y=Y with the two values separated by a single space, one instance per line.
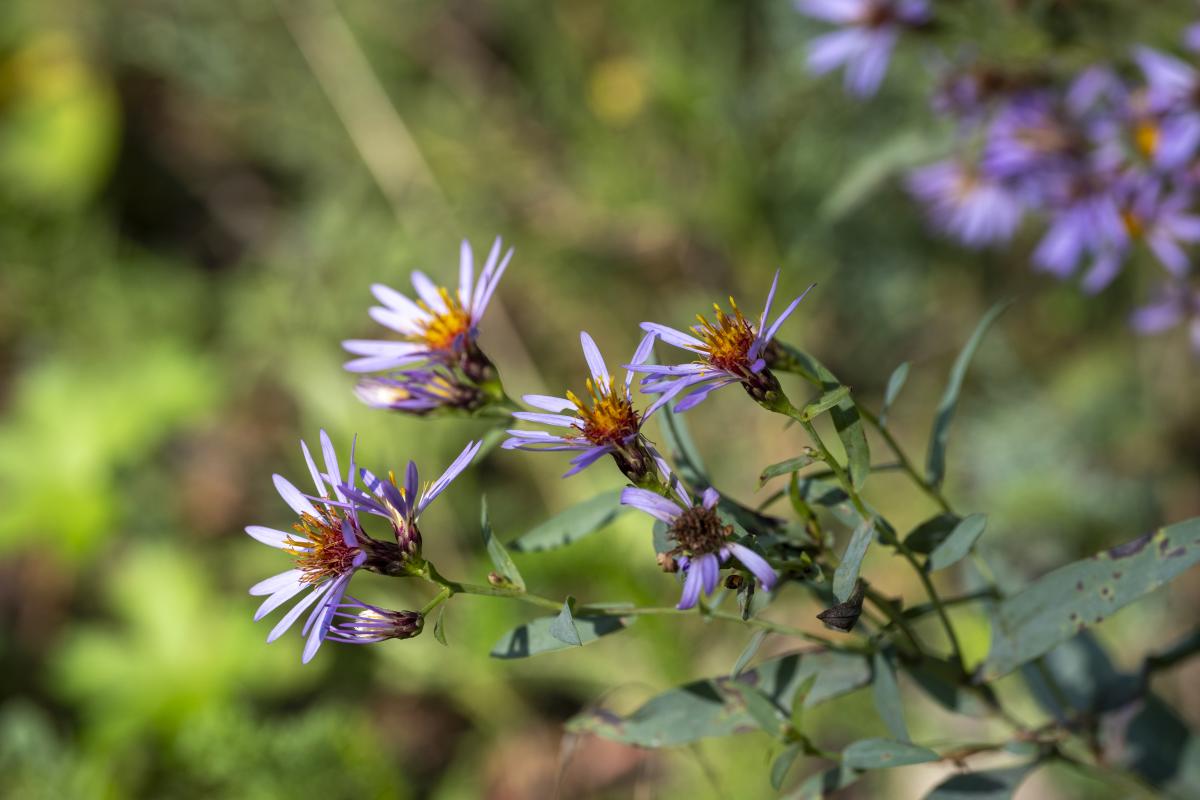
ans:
x=441 y=326
x=702 y=541
x=604 y=423
x=729 y=350
x=327 y=543
x=401 y=506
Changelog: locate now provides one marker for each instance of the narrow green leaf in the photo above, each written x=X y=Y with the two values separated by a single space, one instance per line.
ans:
x=800 y=700
x=959 y=543
x=439 y=628
x=1068 y=600
x=894 y=385
x=846 y=575
x=563 y=627
x=782 y=764
x=887 y=697
x=500 y=557
x=713 y=708
x=759 y=707
x=825 y=784
x=940 y=679
x=866 y=176
x=845 y=416
x=572 y=524
x=785 y=467
x=755 y=642
x=535 y=638
x=825 y=402
x=925 y=538
x=885 y=753
x=992 y=784
x=935 y=469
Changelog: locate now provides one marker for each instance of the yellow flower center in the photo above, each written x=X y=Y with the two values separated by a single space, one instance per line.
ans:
x=445 y=328
x=610 y=420
x=727 y=342
x=318 y=547
x=1145 y=138
x=1134 y=225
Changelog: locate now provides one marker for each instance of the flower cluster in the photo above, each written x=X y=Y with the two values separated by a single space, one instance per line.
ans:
x=440 y=366
x=1108 y=163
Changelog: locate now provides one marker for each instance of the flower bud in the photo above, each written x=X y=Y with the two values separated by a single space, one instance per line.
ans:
x=374 y=624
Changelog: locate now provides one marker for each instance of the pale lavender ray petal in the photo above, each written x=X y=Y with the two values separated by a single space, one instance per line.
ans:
x=490 y=289
x=644 y=348
x=278 y=598
x=452 y=472
x=757 y=565
x=691 y=589
x=268 y=536
x=331 y=463
x=380 y=347
x=485 y=278
x=383 y=363
x=548 y=403
x=428 y=290
x=294 y=613
x=595 y=362
x=652 y=503
x=557 y=420
x=587 y=458
x=673 y=336
x=293 y=496
x=394 y=300
x=466 y=274
x=766 y=312
x=710 y=498
x=389 y=318
x=787 y=312
x=276 y=582
x=710 y=571
x=312 y=469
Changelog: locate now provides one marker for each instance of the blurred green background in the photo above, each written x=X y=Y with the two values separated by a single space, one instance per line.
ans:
x=194 y=199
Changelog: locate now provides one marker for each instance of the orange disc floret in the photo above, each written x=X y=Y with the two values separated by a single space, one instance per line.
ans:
x=727 y=343
x=444 y=328
x=610 y=420
x=319 y=547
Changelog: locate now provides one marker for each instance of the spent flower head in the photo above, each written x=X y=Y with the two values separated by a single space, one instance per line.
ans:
x=327 y=544
x=702 y=541
x=357 y=622
x=423 y=391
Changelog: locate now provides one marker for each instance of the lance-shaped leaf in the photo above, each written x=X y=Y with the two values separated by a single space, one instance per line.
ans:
x=572 y=524
x=885 y=753
x=925 y=538
x=846 y=419
x=935 y=469
x=846 y=576
x=505 y=567
x=786 y=467
x=713 y=708
x=894 y=385
x=825 y=402
x=751 y=648
x=825 y=784
x=760 y=708
x=958 y=544
x=1066 y=601
x=782 y=763
x=887 y=696
x=439 y=626
x=536 y=637
x=563 y=626
x=992 y=784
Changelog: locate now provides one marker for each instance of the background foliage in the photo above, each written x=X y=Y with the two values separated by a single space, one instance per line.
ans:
x=194 y=198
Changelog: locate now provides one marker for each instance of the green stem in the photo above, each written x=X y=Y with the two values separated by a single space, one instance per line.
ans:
x=906 y=464
x=438 y=599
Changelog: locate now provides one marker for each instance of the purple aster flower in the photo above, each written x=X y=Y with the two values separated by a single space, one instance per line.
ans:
x=1191 y=38
x=328 y=544
x=1174 y=88
x=730 y=351
x=1030 y=136
x=362 y=623
x=439 y=326
x=1163 y=222
x=606 y=424
x=1085 y=223
x=1174 y=303
x=402 y=506
x=869 y=30
x=961 y=201
x=420 y=391
x=702 y=541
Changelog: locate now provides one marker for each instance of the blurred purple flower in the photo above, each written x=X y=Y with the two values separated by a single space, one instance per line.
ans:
x=327 y=543
x=730 y=351
x=1162 y=222
x=1174 y=88
x=702 y=541
x=607 y=425
x=1085 y=223
x=864 y=45
x=966 y=204
x=1174 y=303
x=1029 y=137
x=439 y=326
